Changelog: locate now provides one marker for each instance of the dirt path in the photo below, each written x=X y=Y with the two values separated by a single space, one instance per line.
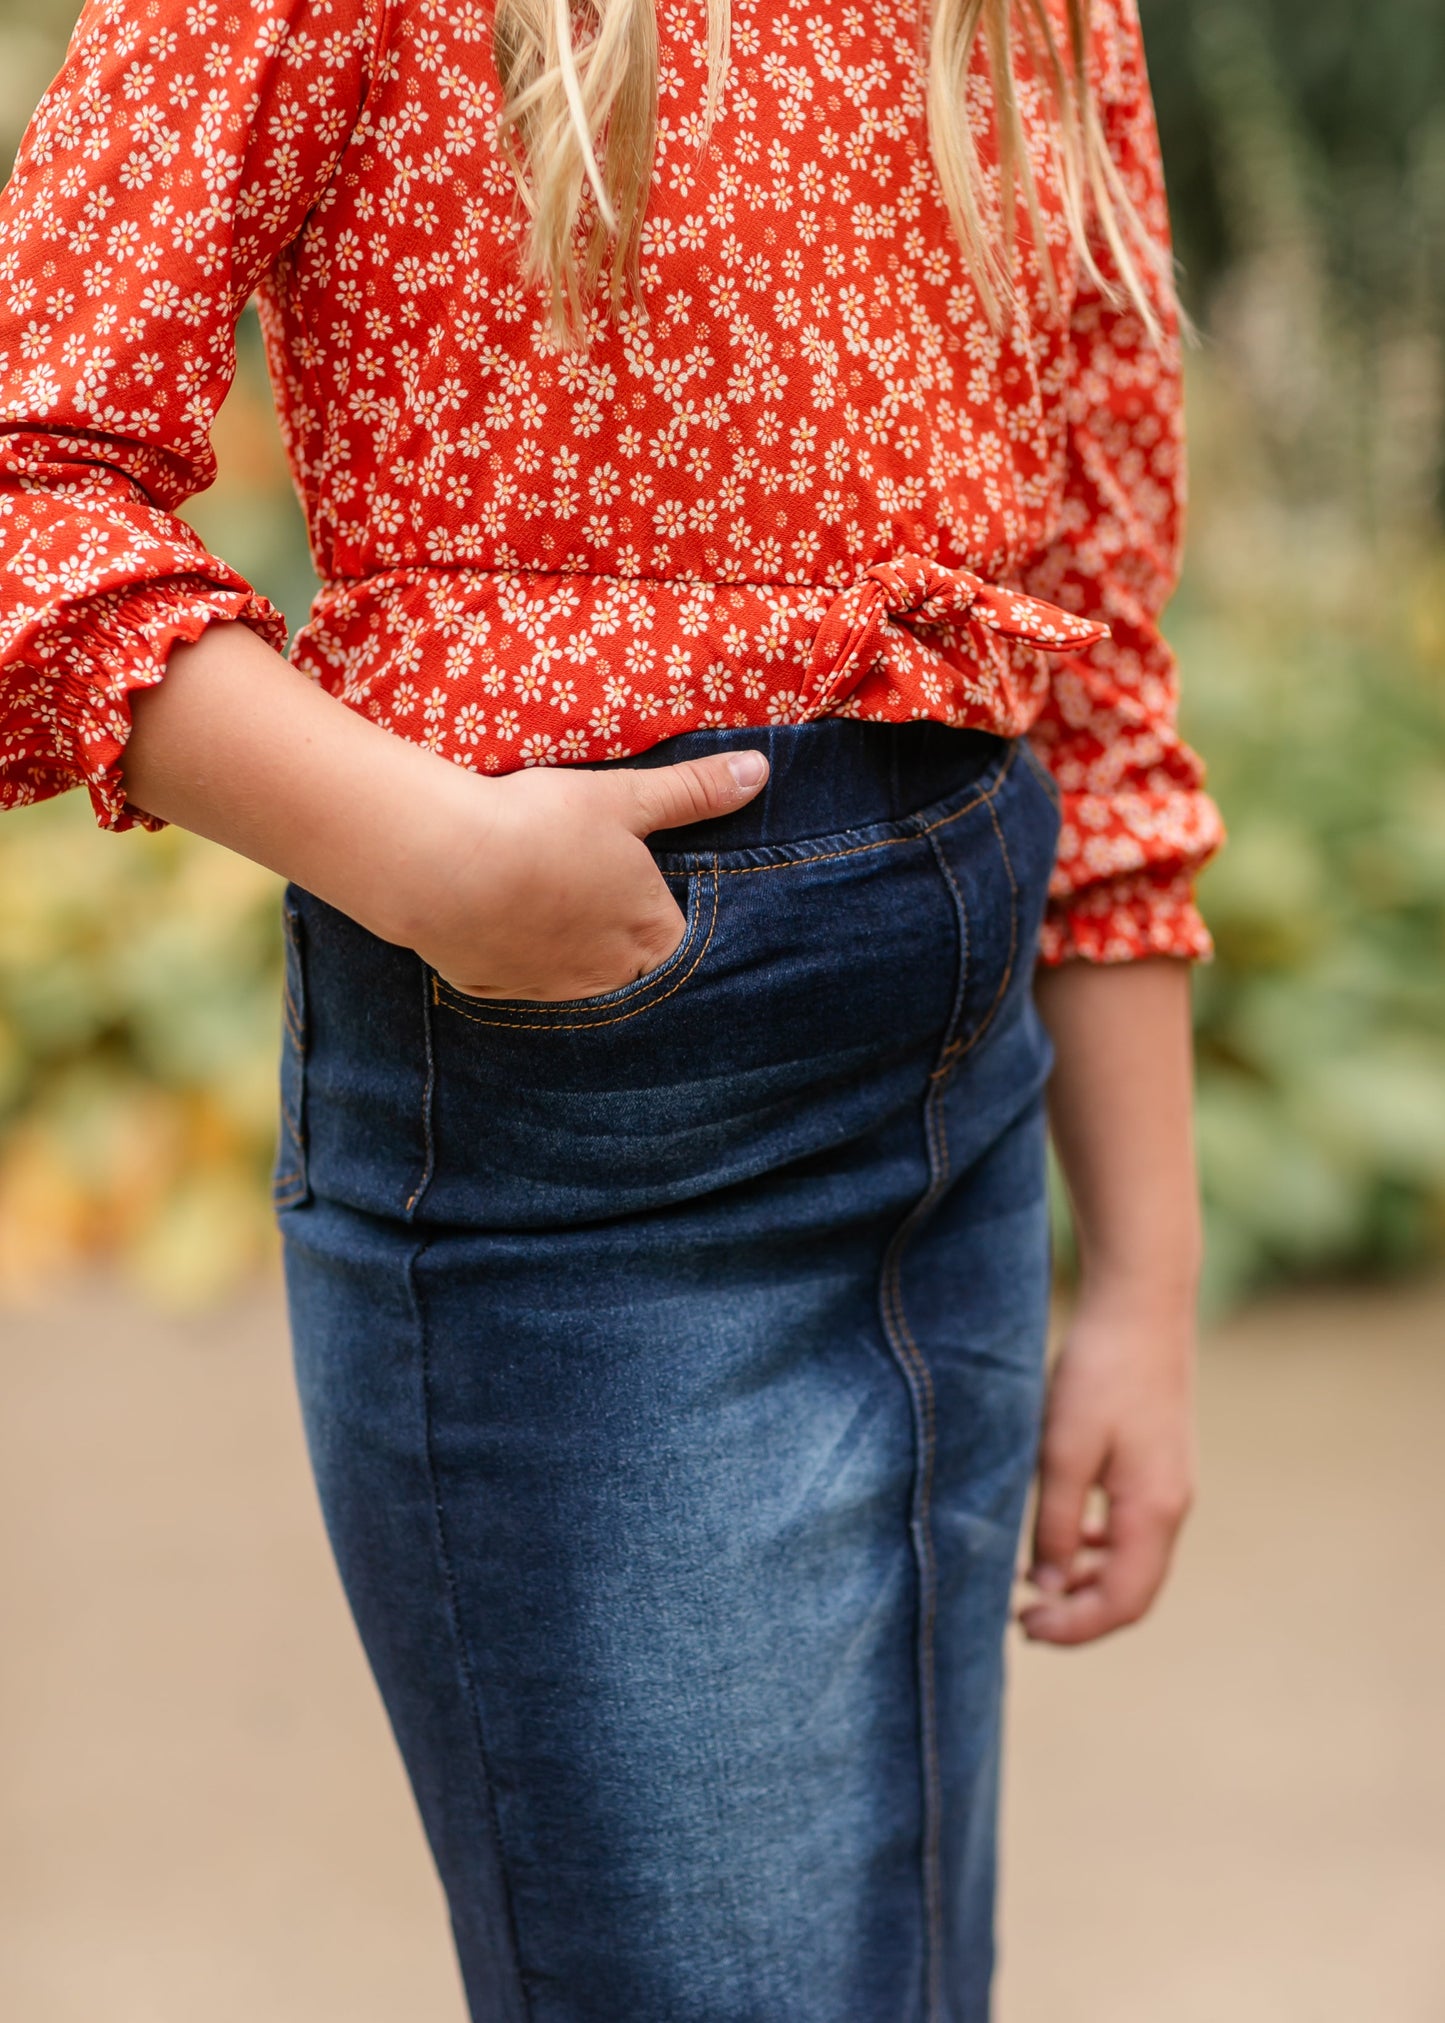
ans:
x=1233 y=1815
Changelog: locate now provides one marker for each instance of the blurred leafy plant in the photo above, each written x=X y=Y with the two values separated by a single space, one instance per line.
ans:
x=139 y=993
x=1321 y=1025
x=1311 y=623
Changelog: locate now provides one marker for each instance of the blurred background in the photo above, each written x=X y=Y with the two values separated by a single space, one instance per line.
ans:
x=1240 y=1812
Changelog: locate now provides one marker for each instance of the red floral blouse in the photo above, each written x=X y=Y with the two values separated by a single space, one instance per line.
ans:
x=803 y=477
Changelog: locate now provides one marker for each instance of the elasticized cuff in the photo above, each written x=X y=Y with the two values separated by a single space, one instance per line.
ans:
x=89 y=661
x=1128 y=919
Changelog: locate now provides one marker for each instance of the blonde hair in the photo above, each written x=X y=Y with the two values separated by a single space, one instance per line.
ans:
x=579 y=121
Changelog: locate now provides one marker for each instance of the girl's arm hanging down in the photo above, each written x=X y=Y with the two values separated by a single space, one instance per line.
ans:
x=1113 y=986
x=1120 y=1410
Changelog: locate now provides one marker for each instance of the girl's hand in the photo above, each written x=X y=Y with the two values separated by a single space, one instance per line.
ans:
x=537 y=884
x=546 y=890
x=1119 y=1429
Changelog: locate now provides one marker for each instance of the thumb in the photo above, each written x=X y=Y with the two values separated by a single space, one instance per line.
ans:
x=666 y=797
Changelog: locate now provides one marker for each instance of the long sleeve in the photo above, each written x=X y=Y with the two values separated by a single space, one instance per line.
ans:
x=1137 y=823
x=168 y=166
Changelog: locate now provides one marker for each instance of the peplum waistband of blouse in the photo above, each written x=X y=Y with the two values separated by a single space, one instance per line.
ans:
x=909 y=637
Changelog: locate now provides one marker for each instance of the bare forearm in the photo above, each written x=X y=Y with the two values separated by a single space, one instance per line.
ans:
x=534 y=884
x=1119 y=1420
x=1121 y=1110
x=239 y=746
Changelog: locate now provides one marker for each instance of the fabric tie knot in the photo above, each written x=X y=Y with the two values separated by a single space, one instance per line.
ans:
x=913 y=590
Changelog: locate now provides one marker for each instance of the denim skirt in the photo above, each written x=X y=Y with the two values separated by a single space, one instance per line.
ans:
x=671 y=1365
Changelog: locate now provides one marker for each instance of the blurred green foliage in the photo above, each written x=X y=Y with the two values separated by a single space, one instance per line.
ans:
x=1305 y=141
x=1321 y=1025
x=138 y=1032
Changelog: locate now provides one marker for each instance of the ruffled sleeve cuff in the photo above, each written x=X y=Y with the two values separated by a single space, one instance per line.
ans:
x=1123 y=885
x=69 y=725
x=1126 y=919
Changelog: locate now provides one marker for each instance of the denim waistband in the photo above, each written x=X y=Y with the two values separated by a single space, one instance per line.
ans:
x=835 y=773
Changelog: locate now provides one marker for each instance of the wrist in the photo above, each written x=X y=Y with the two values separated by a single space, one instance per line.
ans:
x=1154 y=1293
x=1148 y=1253
x=1160 y=1242
x=419 y=851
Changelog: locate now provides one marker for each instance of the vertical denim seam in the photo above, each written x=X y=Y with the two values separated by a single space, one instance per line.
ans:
x=454 y=1618
x=291 y=1187
x=1013 y=943
x=428 y=1093
x=1041 y=773
x=954 y=1054
x=919 y=1379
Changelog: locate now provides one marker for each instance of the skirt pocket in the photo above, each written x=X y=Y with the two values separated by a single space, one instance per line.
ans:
x=696 y=891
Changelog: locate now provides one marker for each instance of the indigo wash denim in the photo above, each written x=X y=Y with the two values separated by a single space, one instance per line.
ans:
x=671 y=1364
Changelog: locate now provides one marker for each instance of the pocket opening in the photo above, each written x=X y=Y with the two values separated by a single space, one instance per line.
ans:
x=606 y=1007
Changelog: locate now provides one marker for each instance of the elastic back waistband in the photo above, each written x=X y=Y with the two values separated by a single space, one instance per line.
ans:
x=834 y=773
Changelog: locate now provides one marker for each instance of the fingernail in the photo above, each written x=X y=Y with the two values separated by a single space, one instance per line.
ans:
x=1049 y=1578
x=747 y=768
